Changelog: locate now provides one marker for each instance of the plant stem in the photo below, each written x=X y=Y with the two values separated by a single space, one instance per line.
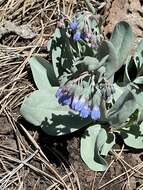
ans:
x=90 y=6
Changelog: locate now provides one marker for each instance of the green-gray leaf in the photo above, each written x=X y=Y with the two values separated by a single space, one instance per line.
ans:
x=43 y=73
x=133 y=136
x=111 y=62
x=108 y=145
x=121 y=38
x=118 y=91
x=91 y=143
x=138 y=80
x=140 y=116
x=124 y=106
x=138 y=95
x=42 y=109
x=138 y=57
x=130 y=70
x=61 y=51
x=54 y=47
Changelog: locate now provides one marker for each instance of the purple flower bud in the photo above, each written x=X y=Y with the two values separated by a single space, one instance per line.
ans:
x=93 y=45
x=93 y=41
x=95 y=113
x=59 y=93
x=88 y=35
x=77 y=36
x=60 y=23
x=73 y=25
x=85 y=111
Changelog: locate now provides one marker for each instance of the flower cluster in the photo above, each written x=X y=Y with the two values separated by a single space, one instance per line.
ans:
x=74 y=26
x=78 y=102
x=82 y=33
x=82 y=29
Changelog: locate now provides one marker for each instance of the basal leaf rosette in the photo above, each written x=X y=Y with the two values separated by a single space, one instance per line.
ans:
x=79 y=88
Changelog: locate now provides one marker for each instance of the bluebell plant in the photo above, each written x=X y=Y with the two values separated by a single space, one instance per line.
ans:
x=89 y=85
x=83 y=26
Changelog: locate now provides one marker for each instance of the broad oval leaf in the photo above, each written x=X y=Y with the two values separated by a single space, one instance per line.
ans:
x=54 y=47
x=92 y=141
x=111 y=62
x=56 y=35
x=61 y=51
x=121 y=38
x=43 y=73
x=130 y=100
x=42 y=109
x=124 y=106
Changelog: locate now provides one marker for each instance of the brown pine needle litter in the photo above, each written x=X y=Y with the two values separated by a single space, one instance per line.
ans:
x=25 y=27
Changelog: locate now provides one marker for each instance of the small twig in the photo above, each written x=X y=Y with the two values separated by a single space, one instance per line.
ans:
x=41 y=152
x=10 y=174
x=139 y=166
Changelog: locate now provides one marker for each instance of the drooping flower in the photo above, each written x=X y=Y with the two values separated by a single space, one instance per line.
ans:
x=65 y=100
x=63 y=96
x=77 y=36
x=80 y=104
x=95 y=113
x=74 y=102
x=85 y=111
x=73 y=25
x=59 y=93
x=83 y=96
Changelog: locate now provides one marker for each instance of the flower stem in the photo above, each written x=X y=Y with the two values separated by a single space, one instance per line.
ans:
x=90 y=6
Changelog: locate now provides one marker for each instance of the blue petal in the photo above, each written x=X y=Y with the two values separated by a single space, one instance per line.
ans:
x=74 y=102
x=80 y=104
x=77 y=36
x=59 y=93
x=73 y=25
x=65 y=100
x=85 y=111
x=95 y=113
